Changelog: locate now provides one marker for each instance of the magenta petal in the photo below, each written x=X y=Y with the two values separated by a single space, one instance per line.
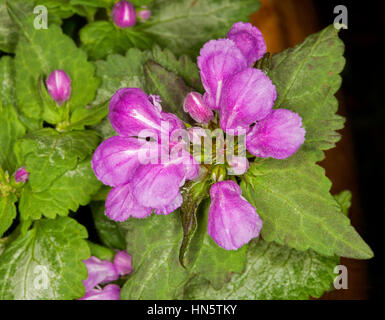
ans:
x=219 y=60
x=109 y=292
x=130 y=112
x=59 y=86
x=232 y=221
x=123 y=263
x=171 y=207
x=238 y=165
x=21 y=175
x=120 y=204
x=157 y=185
x=117 y=158
x=247 y=97
x=174 y=122
x=249 y=40
x=279 y=135
x=123 y=14
x=99 y=271
x=196 y=107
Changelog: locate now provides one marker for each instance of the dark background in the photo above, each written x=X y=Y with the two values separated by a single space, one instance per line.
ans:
x=363 y=93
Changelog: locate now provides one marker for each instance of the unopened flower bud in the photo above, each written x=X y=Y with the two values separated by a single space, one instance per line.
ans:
x=21 y=175
x=123 y=14
x=143 y=14
x=218 y=173
x=59 y=86
x=123 y=263
x=196 y=107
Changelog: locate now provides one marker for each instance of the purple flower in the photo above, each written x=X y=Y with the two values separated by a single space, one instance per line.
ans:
x=130 y=112
x=249 y=40
x=145 y=174
x=123 y=263
x=196 y=107
x=123 y=14
x=21 y=175
x=245 y=96
x=59 y=86
x=109 y=292
x=248 y=96
x=116 y=159
x=121 y=204
x=218 y=60
x=238 y=165
x=143 y=14
x=99 y=271
x=233 y=221
x=279 y=135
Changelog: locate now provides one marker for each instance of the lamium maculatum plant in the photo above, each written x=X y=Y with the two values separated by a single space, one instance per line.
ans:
x=162 y=153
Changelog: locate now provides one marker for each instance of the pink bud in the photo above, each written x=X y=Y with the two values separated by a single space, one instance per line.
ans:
x=123 y=14
x=21 y=175
x=123 y=263
x=59 y=86
x=143 y=14
x=196 y=107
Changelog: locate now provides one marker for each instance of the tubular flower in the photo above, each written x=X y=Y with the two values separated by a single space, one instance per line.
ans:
x=109 y=292
x=233 y=221
x=244 y=98
x=99 y=271
x=196 y=107
x=59 y=86
x=144 y=174
x=123 y=263
x=123 y=14
x=104 y=271
x=147 y=175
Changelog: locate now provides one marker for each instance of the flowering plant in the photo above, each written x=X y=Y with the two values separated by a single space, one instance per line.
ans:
x=194 y=157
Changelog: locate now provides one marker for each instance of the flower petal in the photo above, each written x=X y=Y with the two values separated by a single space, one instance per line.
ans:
x=232 y=221
x=117 y=158
x=123 y=263
x=238 y=165
x=99 y=271
x=157 y=185
x=130 y=112
x=278 y=136
x=249 y=40
x=218 y=60
x=109 y=292
x=120 y=204
x=247 y=97
x=195 y=106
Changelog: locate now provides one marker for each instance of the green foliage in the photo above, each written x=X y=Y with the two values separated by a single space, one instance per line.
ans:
x=75 y=187
x=102 y=38
x=306 y=78
x=48 y=154
x=7 y=81
x=292 y=197
x=273 y=272
x=10 y=130
x=46 y=262
x=7 y=212
x=184 y=26
x=38 y=53
x=109 y=231
x=154 y=245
